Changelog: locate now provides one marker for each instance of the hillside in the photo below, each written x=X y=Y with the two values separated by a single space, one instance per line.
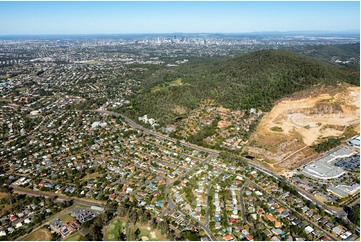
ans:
x=330 y=53
x=253 y=80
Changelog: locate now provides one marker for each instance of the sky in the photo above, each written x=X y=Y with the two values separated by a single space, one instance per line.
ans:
x=171 y=17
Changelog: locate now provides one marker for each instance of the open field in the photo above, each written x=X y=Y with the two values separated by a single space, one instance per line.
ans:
x=114 y=228
x=92 y=176
x=38 y=235
x=284 y=135
x=166 y=85
x=66 y=218
x=5 y=208
x=3 y=195
x=75 y=237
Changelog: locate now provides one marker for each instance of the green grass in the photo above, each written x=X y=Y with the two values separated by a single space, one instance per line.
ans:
x=144 y=232
x=113 y=228
x=66 y=218
x=277 y=129
x=166 y=85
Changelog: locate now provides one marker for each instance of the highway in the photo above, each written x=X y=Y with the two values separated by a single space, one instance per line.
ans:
x=157 y=134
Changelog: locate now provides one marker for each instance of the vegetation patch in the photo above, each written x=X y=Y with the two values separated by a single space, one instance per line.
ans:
x=165 y=85
x=354 y=215
x=277 y=129
x=191 y=236
x=206 y=131
x=326 y=145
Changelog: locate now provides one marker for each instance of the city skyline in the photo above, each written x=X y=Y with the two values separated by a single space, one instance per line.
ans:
x=37 y=18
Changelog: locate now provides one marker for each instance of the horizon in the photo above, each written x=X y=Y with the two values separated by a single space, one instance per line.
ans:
x=117 y=18
x=293 y=32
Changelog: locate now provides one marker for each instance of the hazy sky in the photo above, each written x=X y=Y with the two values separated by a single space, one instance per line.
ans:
x=169 y=17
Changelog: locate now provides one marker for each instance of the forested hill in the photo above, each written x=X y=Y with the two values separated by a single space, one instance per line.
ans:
x=253 y=80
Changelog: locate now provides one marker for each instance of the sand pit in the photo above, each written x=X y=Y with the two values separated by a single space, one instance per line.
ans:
x=285 y=133
x=145 y=238
x=152 y=234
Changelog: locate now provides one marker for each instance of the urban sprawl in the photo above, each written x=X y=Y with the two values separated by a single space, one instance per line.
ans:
x=69 y=162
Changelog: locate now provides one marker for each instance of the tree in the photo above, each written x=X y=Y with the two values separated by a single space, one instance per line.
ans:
x=122 y=236
x=354 y=215
x=55 y=237
x=136 y=233
x=191 y=236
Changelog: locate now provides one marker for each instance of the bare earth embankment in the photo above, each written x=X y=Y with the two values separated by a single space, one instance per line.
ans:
x=283 y=137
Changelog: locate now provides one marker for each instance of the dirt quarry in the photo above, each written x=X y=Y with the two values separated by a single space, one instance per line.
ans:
x=283 y=137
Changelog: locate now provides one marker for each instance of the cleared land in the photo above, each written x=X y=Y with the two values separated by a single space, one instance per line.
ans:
x=38 y=235
x=303 y=120
x=166 y=85
x=92 y=176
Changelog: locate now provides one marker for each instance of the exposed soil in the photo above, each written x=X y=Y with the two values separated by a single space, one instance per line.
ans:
x=304 y=120
x=39 y=235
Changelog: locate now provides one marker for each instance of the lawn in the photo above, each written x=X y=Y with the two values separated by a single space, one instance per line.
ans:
x=75 y=237
x=113 y=228
x=38 y=235
x=66 y=218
